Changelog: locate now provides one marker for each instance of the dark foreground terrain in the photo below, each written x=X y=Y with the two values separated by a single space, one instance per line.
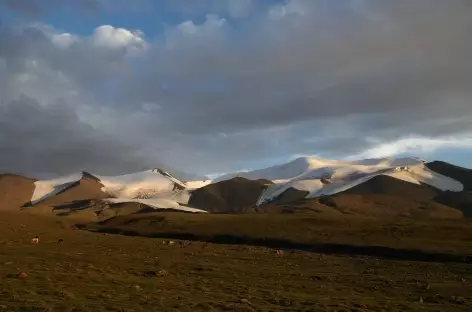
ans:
x=91 y=271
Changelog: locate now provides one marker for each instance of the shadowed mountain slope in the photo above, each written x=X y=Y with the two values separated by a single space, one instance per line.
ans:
x=230 y=196
x=459 y=200
x=461 y=174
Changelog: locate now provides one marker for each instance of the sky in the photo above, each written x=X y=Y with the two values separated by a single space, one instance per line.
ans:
x=202 y=87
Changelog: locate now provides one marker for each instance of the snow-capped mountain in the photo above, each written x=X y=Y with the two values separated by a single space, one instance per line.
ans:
x=156 y=188
x=146 y=183
x=313 y=176
x=321 y=177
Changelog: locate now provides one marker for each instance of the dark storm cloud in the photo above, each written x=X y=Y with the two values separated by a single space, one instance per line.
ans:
x=394 y=70
x=401 y=69
x=333 y=78
x=34 y=8
x=189 y=8
x=43 y=77
x=51 y=140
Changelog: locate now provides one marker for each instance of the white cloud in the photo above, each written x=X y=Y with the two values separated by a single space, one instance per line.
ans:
x=107 y=36
x=64 y=40
x=212 y=23
x=415 y=146
x=188 y=35
x=187 y=27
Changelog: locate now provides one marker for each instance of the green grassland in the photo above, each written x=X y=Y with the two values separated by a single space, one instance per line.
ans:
x=91 y=271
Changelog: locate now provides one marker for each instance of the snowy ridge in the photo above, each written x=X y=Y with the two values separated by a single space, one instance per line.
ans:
x=321 y=177
x=318 y=177
x=170 y=177
x=193 y=185
x=155 y=188
x=134 y=185
x=151 y=184
x=44 y=189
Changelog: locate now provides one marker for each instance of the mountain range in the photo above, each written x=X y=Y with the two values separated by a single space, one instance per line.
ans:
x=383 y=187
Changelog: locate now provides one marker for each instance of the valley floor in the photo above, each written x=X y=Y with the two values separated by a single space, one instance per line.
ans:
x=96 y=272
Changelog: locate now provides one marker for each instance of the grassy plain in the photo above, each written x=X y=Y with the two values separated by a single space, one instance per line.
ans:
x=91 y=271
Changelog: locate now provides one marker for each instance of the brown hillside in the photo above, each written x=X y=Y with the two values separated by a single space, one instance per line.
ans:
x=381 y=184
x=85 y=189
x=230 y=196
x=290 y=196
x=385 y=196
x=460 y=174
x=15 y=190
x=386 y=185
x=460 y=200
x=382 y=196
x=369 y=205
x=381 y=205
x=299 y=206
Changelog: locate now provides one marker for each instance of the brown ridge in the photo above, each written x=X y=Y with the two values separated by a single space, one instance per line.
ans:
x=461 y=174
x=386 y=185
x=87 y=188
x=460 y=200
x=15 y=190
x=230 y=196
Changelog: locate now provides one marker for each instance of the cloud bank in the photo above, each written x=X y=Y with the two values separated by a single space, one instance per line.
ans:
x=333 y=78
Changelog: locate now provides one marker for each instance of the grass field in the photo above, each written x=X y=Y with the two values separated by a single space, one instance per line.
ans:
x=95 y=272
x=282 y=230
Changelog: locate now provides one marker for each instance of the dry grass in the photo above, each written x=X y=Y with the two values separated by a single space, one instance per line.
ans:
x=95 y=272
x=440 y=235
